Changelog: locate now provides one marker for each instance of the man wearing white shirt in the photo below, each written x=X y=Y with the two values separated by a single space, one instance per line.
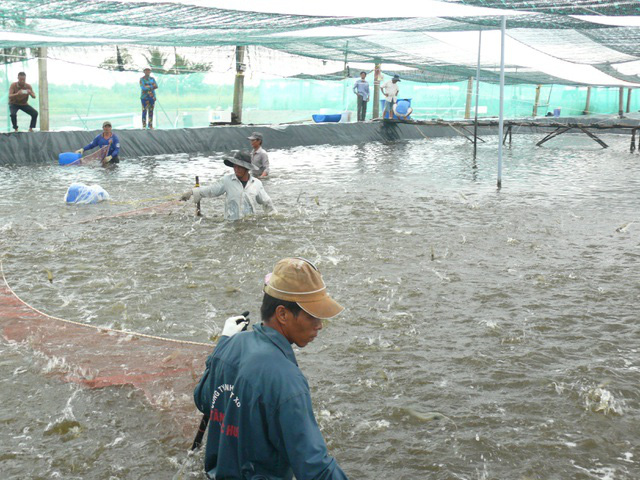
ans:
x=243 y=192
x=390 y=91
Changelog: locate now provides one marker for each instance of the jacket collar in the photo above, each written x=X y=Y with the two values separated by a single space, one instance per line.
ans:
x=278 y=340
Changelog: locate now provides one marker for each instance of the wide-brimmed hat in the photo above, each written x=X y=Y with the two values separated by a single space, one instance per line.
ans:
x=255 y=136
x=298 y=280
x=146 y=68
x=242 y=159
x=104 y=124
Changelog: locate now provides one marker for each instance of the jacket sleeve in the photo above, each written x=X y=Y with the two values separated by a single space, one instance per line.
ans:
x=264 y=199
x=115 y=146
x=303 y=441
x=214 y=190
x=203 y=394
x=93 y=144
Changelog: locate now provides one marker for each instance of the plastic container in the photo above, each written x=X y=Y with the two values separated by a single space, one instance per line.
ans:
x=345 y=117
x=327 y=118
x=403 y=107
x=69 y=158
x=81 y=193
x=556 y=112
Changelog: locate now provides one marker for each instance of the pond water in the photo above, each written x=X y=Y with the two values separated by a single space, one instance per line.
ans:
x=488 y=334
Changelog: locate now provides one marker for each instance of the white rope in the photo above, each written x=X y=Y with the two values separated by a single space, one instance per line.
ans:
x=95 y=327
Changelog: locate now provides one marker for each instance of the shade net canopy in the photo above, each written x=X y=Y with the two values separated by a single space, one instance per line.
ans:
x=582 y=43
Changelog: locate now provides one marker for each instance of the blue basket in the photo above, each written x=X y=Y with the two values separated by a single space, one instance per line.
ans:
x=69 y=158
x=327 y=118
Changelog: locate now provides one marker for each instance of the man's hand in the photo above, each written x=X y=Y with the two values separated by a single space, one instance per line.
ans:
x=186 y=195
x=107 y=159
x=80 y=151
x=234 y=325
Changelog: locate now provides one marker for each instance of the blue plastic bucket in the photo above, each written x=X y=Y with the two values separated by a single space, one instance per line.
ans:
x=68 y=158
x=556 y=112
x=403 y=106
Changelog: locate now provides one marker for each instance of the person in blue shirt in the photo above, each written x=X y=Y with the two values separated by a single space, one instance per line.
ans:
x=361 y=89
x=148 y=86
x=106 y=138
x=261 y=422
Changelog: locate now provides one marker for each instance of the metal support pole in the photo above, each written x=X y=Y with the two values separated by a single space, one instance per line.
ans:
x=43 y=90
x=238 y=87
x=503 y=29
x=535 y=104
x=475 y=122
x=628 y=100
x=377 y=73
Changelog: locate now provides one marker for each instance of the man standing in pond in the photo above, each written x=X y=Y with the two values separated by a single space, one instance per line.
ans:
x=261 y=422
x=259 y=157
x=243 y=192
x=361 y=89
x=19 y=93
x=148 y=88
x=390 y=90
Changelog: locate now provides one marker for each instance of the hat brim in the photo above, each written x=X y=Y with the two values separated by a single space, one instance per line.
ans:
x=231 y=161
x=254 y=138
x=324 y=308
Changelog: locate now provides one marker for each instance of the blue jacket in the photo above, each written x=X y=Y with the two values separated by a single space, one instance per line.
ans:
x=261 y=423
x=100 y=141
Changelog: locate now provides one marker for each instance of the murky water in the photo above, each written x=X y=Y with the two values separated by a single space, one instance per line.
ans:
x=488 y=335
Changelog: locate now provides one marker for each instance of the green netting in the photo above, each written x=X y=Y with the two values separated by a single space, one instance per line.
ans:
x=562 y=7
x=192 y=100
x=404 y=41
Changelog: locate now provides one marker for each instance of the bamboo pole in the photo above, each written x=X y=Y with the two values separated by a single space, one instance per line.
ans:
x=537 y=102
x=238 y=87
x=621 y=102
x=586 y=106
x=628 y=100
x=375 y=113
x=43 y=90
x=467 y=108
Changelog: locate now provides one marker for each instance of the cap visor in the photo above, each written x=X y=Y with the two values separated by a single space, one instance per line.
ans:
x=327 y=307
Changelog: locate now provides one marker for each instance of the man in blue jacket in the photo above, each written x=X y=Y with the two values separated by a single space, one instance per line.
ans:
x=261 y=422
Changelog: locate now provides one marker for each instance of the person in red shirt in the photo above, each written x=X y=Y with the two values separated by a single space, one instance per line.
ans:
x=19 y=93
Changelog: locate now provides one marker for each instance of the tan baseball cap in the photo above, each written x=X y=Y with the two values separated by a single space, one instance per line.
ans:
x=298 y=280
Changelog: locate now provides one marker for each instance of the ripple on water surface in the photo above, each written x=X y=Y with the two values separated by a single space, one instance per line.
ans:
x=487 y=334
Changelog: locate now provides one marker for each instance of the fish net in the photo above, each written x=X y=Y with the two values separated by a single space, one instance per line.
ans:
x=166 y=370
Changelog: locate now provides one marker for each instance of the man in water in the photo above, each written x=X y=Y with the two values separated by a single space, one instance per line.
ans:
x=107 y=137
x=390 y=90
x=361 y=89
x=261 y=422
x=244 y=192
x=19 y=93
x=259 y=157
x=148 y=86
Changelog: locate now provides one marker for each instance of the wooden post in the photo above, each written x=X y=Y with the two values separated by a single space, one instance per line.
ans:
x=628 y=100
x=586 y=106
x=377 y=73
x=467 y=108
x=43 y=90
x=238 y=87
x=535 y=104
x=621 y=102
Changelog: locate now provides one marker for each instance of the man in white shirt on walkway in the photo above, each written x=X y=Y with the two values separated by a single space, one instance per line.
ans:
x=390 y=91
x=243 y=192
